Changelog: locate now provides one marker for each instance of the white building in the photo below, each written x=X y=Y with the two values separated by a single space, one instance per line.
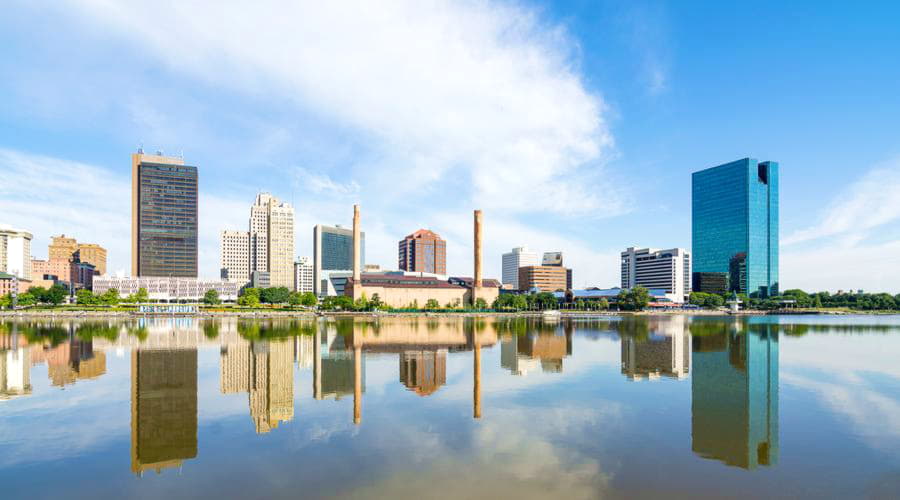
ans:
x=303 y=275
x=167 y=288
x=512 y=261
x=669 y=270
x=15 y=252
x=268 y=246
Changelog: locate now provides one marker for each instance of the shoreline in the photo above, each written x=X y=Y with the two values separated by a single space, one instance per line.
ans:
x=307 y=314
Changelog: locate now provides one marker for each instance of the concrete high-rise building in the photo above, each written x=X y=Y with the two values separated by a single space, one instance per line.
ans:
x=62 y=247
x=163 y=216
x=544 y=278
x=668 y=270
x=303 y=275
x=15 y=252
x=235 y=253
x=163 y=408
x=264 y=370
x=735 y=225
x=333 y=252
x=272 y=239
x=267 y=247
x=15 y=371
x=512 y=261
x=424 y=252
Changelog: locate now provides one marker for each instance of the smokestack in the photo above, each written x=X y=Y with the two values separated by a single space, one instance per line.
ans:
x=477 y=283
x=356 y=253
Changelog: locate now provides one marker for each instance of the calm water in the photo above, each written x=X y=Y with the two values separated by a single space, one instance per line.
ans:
x=652 y=407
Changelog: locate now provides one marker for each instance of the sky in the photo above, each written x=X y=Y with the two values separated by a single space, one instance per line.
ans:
x=574 y=125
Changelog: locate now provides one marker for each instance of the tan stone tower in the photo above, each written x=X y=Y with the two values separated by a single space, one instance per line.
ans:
x=476 y=284
x=357 y=256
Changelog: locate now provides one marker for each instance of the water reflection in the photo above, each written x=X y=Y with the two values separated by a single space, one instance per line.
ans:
x=662 y=348
x=733 y=366
x=734 y=392
x=163 y=408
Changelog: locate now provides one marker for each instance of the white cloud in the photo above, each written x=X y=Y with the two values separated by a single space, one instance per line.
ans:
x=851 y=246
x=872 y=201
x=469 y=92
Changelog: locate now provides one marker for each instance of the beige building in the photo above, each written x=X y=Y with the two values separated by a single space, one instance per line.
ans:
x=543 y=278
x=93 y=254
x=235 y=256
x=169 y=289
x=267 y=247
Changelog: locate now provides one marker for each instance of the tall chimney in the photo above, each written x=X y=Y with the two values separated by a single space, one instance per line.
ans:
x=477 y=283
x=356 y=253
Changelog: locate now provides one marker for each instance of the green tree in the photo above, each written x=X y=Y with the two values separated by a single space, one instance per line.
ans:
x=295 y=299
x=140 y=296
x=211 y=297
x=249 y=297
x=546 y=300
x=5 y=301
x=85 y=298
x=602 y=304
x=635 y=299
x=432 y=304
x=480 y=303
x=56 y=294
x=110 y=297
x=274 y=295
x=309 y=299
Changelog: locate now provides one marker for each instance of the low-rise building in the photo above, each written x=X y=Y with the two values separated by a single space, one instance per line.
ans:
x=543 y=278
x=168 y=288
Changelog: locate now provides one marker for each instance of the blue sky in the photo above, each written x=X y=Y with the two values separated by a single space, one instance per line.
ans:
x=574 y=125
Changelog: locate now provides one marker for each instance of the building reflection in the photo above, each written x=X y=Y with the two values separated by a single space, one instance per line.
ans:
x=524 y=353
x=15 y=366
x=263 y=370
x=734 y=391
x=423 y=371
x=665 y=351
x=163 y=408
x=70 y=361
x=421 y=345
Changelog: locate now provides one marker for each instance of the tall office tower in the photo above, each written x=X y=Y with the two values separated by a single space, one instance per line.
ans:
x=734 y=388
x=333 y=251
x=163 y=216
x=15 y=252
x=735 y=225
x=163 y=408
x=271 y=239
x=303 y=275
x=423 y=251
x=512 y=261
x=235 y=251
x=669 y=270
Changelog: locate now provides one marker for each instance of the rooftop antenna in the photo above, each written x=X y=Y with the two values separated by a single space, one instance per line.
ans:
x=141 y=148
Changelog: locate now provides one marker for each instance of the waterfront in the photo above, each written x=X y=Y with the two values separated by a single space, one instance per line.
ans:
x=636 y=407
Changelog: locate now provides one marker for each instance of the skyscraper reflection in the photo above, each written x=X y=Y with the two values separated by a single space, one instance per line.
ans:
x=735 y=392
x=263 y=370
x=15 y=367
x=163 y=408
x=423 y=372
x=664 y=351
x=521 y=354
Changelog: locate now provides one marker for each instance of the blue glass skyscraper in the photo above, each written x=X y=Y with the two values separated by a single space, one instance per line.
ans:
x=735 y=225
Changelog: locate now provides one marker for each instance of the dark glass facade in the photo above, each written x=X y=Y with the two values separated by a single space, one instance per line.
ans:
x=167 y=220
x=735 y=225
x=337 y=249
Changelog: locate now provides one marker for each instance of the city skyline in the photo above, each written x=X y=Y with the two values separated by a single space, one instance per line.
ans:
x=621 y=117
